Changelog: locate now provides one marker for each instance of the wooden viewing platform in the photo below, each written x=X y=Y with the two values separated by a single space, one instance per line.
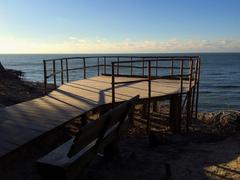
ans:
x=144 y=76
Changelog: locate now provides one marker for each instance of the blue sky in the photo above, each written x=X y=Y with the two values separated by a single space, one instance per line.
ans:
x=99 y=26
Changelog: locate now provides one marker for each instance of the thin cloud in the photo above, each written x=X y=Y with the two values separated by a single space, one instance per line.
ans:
x=72 y=38
x=79 y=45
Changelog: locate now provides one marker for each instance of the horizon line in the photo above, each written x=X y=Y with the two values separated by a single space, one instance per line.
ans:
x=211 y=52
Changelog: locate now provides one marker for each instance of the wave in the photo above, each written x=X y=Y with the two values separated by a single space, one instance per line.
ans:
x=226 y=86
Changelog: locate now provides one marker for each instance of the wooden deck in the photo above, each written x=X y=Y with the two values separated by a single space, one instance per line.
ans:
x=26 y=121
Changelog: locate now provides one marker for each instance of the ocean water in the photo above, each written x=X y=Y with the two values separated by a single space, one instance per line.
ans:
x=219 y=81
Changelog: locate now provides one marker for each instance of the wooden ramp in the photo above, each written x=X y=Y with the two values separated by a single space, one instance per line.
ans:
x=26 y=121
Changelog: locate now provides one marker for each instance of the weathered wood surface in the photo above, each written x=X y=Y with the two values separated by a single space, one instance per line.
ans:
x=26 y=121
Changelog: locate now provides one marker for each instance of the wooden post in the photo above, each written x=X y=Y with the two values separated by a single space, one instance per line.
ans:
x=174 y=117
x=181 y=93
x=194 y=89
x=131 y=66
x=66 y=62
x=113 y=85
x=104 y=65
x=117 y=65
x=98 y=66
x=54 y=74
x=189 y=95
x=84 y=68
x=143 y=66
x=45 y=76
x=62 y=80
x=172 y=64
x=149 y=96
x=156 y=70
x=197 y=95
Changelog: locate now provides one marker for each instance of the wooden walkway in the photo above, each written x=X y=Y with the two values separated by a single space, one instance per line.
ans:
x=26 y=121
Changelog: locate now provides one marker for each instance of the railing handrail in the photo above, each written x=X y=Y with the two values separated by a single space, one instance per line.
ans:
x=148 y=78
x=122 y=56
x=182 y=74
x=143 y=62
x=142 y=59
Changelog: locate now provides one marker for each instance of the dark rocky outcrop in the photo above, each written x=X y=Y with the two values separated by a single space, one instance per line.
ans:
x=14 y=89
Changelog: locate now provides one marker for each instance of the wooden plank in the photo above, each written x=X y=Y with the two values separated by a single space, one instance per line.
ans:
x=16 y=135
x=30 y=123
x=42 y=106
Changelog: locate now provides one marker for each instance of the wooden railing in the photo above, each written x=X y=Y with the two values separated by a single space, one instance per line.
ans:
x=193 y=75
x=147 y=67
x=101 y=63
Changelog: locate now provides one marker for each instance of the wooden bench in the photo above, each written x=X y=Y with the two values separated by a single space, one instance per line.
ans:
x=100 y=136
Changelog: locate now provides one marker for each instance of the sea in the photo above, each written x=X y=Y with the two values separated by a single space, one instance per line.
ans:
x=219 y=80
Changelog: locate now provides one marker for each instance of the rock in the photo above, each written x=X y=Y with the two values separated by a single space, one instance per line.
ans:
x=13 y=89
